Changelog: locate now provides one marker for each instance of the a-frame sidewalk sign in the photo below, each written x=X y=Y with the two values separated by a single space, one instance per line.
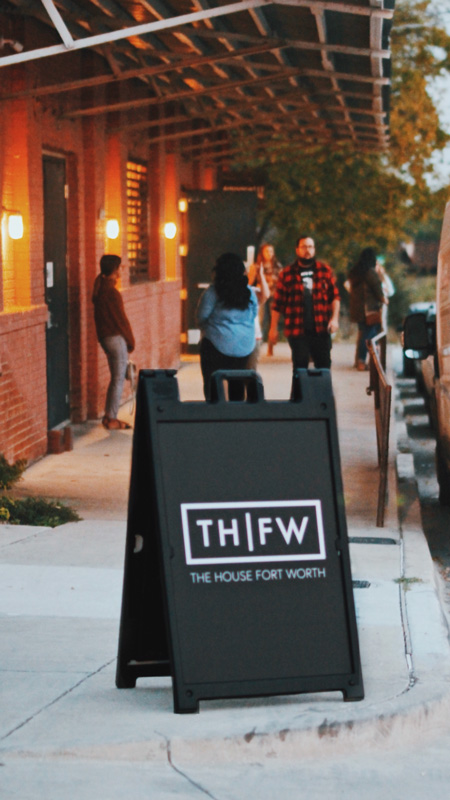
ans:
x=237 y=571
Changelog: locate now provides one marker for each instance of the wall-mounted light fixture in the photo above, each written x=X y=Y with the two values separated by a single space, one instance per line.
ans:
x=15 y=226
x=170 y=230
x=112 y=228
x=182 y=205
x=183 y=250
x=16 y=46
x=14 y=223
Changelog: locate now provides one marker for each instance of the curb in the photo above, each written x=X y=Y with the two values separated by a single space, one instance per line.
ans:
x=426 y=629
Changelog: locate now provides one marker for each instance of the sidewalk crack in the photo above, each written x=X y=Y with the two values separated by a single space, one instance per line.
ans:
x=405 y=622
x=56 y=700
x=179 y=771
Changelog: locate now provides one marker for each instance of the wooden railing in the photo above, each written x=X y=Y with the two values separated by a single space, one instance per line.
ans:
x=382 y=392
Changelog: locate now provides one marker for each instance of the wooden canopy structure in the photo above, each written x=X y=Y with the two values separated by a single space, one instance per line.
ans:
x=208 y=74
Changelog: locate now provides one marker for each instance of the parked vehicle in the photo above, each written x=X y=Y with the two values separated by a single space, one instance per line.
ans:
x=430 y=343
x=412 y=366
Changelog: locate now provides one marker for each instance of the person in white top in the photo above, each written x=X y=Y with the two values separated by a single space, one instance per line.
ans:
x=388 y=290
x=266 y=265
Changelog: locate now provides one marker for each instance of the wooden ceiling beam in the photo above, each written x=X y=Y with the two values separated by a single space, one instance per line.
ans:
x=339 y=8
x=295 y=44
x=187 y=94
x=216 y=113
x=205 y=131
x=219 y=89
x=308 y=140
x=134 y=30
x=274 y=121
x=261 y=46
x=182 y=63
x=228 y=155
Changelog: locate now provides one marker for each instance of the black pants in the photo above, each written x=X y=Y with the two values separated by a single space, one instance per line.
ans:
x=311 y=347
x=212 y=359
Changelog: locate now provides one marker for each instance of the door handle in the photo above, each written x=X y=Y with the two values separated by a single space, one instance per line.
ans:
x=50 y=323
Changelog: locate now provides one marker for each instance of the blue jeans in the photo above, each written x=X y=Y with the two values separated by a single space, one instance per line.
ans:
x=115 y=348
x=367 y=332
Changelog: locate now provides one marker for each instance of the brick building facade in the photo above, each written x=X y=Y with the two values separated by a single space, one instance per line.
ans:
x=107 y=109
x=97 y=158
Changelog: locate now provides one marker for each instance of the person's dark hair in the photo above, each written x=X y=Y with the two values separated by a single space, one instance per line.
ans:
x=230 y=281
x=109 y=263
x=367 y=260
x=303 y=236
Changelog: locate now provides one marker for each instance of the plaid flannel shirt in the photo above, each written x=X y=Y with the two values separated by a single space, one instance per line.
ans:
x=288 y=298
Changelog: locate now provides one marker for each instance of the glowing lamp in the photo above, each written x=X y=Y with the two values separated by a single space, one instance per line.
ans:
x=112 y=228
x=182 y=205
x=15 y=226
x=170 y=230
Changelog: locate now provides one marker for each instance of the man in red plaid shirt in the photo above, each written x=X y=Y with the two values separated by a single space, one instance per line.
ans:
x=307 y=296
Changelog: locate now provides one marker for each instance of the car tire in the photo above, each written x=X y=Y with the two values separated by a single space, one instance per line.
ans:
x=431 y=407
x=408 y=367
x=420 y=383
x=443 y=476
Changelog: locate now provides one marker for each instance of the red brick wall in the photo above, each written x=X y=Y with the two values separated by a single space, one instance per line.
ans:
x=154 y=312
x=23 y=395
x=153 y=307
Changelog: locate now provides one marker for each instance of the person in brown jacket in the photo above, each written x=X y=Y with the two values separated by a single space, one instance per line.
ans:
x=366 y=300
x=114 y=334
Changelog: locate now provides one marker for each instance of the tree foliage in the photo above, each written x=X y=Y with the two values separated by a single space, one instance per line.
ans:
x=420 y=52
x=349 y=199
x=341 y=198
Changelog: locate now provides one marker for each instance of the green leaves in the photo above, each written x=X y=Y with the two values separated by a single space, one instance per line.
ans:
x=345 y=199
x=35 y=511
x=10 y=473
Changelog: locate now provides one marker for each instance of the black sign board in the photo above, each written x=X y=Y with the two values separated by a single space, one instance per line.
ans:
x=237 y=572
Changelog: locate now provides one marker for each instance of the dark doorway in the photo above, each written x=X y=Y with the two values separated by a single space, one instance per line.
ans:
x=55 y=278
x=218 y=222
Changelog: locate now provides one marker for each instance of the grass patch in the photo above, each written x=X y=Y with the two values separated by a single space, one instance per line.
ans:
x=35 y=511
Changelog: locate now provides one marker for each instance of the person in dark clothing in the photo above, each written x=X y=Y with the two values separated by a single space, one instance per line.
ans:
x=114 y=334
x=307 y=295
x=366 y=299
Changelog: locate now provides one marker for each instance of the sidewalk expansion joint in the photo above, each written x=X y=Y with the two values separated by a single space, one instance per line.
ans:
x=56 y=700
x=24 y=539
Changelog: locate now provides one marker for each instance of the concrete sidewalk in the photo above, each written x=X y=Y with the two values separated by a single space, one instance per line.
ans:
x=64 y=723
